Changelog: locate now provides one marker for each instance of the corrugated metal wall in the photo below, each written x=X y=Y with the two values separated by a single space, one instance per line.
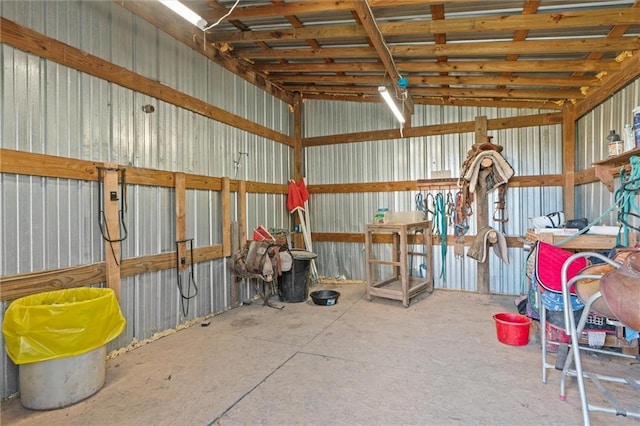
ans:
x=531 y=151
x=50 y=223
x=47 y=108
x=594 y=199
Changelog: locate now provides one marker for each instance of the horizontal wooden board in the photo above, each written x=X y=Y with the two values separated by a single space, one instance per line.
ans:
x=436 y=129
x=25 y=163
x=428 y=184
x=267 y=188
x=585 y=176
x=356 y=237
x=32 y=164
x=16 y=286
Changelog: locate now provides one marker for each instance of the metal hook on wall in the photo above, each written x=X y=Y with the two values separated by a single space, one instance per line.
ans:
x=237 y=162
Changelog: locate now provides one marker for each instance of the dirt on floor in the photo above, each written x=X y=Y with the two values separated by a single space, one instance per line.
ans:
x=357 y=362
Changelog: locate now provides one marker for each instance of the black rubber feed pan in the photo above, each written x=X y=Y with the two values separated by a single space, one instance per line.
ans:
x=325 y=297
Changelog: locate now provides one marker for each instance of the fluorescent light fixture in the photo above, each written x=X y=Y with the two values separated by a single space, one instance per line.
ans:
x=394 y=108
x=185 y=12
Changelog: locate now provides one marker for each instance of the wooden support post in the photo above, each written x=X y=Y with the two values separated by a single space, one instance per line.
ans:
x=482 y=209
x=235 y=279
x=242 y=214
x=226 y=217
x=297 y=137
x=181 y=222
x=568 y=159
x=238 y=236
x=111 y=202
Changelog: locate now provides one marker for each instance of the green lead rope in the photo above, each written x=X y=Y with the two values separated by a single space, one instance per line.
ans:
x=625 y=198
x=624 y=203
x=440 y=221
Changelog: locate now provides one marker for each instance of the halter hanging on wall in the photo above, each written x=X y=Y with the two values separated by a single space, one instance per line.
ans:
x=185 y=297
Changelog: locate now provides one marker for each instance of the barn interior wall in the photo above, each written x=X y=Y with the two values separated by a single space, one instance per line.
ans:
x=50 y=223
x=47 y=108
x=594 y=199
x=530 y=151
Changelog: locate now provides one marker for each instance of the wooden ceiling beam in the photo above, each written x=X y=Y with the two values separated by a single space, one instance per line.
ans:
x=490 y=102
x=500 y=93
x=395 y=3
x=528 y=47
x=451 y=66
x=437 y=13
x=493 y=24
x=616 y=33
x=435 y=129
x=611 y=83
x=305 y=8
x=530 y=7
x=497 y=23
x=449 y=91
x=296 y=23
x=315 y=32
x=368 y=22
x=453 y=49
x=488 y=80
x=279 y=9
x=446 y=100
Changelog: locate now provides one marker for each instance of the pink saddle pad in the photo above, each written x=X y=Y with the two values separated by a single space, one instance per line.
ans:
x=549 y=261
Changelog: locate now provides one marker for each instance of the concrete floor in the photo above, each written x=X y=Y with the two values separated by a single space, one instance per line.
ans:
x=437 y=362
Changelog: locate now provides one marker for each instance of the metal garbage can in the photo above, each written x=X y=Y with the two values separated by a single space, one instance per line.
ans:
x=293 y=285
x=58 y=340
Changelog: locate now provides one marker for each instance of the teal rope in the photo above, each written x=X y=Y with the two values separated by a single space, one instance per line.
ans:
x=624 y=196
x=441 y=223
x=624 y=210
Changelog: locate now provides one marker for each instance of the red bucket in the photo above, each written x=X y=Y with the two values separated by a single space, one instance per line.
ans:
x=512 y=329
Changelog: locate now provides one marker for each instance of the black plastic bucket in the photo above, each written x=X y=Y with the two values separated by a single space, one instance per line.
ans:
x=293 y=285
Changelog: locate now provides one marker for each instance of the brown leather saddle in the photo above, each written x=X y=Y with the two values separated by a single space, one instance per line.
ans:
x=619 y=286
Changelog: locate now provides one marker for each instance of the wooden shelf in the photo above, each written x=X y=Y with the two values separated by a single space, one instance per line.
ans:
x=585 y=242
x=610 y=167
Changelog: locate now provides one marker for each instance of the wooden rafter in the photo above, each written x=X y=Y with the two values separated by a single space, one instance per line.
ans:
x=555 y=21
x=443 y=80
x=530 y=7
x=380 y=45
x=466 y=66
x=449 y=50
x=305 y=7
x=557 y=94
x=615 y=34
x=462 y=49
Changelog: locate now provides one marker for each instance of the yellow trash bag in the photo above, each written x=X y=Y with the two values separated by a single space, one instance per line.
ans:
x=62 y=323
